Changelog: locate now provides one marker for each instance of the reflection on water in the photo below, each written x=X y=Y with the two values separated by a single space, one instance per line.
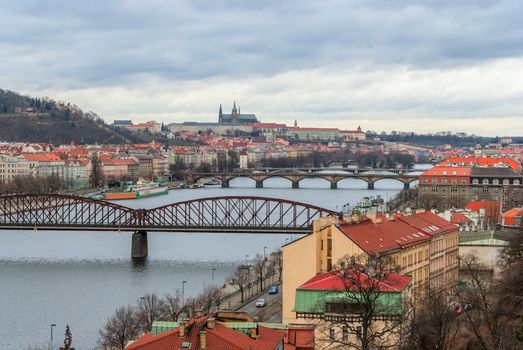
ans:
x=81 y=277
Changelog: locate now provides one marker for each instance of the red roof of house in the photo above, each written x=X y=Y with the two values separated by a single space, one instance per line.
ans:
x=447 y=171
x=483 y=161
x=429 y=223
x=513 y=213
x=383 y=236
x=344 y=280
x=459 y=218
x=487 y=205
x=41 y=157
x=218 y=338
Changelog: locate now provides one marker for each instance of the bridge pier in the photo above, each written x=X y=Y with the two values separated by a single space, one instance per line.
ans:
x=334 y=185
x=370 y=185
x=139 y=247
x=295 y=184
x=406 y=185
x=259 y=184
x=225 y=183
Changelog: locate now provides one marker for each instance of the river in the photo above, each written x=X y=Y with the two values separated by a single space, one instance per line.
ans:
x=79 y=278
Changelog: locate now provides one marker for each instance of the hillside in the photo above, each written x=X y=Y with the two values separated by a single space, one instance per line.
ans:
x=29 y=119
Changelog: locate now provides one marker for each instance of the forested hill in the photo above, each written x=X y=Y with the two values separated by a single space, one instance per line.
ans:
x=29 y=119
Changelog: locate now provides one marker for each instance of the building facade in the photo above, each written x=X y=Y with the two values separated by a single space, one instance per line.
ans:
x=423 y=246
x=453 y=184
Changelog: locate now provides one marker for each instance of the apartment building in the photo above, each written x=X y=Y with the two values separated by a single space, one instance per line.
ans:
x=423 y=246
x=456 y=181
x=13 y=166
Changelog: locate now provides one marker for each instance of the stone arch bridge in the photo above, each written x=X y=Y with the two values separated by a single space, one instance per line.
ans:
x=369 y=175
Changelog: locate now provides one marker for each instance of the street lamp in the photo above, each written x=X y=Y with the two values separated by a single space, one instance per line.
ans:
x=52 y=325
x=212 y=273
x=183 y=292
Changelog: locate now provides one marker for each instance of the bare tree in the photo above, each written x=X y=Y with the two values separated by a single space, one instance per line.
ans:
x=240 y=279
x=435 y=324
x=362 y=307
x=208 y=298
x=276 y=260
x=259 y=269
x=96 y=176
x=171 y=307
x=150 y=308
x=120 y=329
x=491 y=312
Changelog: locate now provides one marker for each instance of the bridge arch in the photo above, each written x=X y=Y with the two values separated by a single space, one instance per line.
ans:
x=63 y=211
x=352 y=183
x=325 y=182
x=236 y=214
x=389 y=183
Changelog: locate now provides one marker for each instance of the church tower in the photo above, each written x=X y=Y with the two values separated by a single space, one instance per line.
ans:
x=220 y=115
x=234 y=114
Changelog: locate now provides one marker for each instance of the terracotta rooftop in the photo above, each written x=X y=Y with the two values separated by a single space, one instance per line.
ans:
x=344 y=281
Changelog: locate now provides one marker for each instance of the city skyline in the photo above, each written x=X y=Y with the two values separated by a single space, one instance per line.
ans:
x=409 y=67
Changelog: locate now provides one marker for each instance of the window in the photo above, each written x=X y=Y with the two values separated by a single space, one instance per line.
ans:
x=506 y=182
x=453 y=189
x=424 y=180
x=475 y=181
x=332 y=334
x=358 y=332
x=495 y=182
x=344 y=334
x=484 y=181
x=321 y=244
x=515 y=182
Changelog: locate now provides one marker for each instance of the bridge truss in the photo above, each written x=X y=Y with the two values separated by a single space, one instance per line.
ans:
x=215 y=214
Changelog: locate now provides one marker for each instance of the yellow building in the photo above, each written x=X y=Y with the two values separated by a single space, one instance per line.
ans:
x=423 y=246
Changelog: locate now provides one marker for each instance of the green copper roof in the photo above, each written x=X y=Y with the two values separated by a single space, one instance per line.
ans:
x=160 y=327
x=315 y=301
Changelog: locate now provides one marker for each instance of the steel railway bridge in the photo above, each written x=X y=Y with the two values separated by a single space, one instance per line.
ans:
x=228 y=214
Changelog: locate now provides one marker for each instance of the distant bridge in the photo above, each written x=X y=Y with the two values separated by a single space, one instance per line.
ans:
x=295 y=175
x=233 y=214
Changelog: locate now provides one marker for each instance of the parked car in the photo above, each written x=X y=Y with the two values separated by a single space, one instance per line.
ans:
x=261 y=303
x=273 y=289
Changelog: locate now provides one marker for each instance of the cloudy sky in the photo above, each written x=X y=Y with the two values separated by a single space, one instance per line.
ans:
x=385 y=65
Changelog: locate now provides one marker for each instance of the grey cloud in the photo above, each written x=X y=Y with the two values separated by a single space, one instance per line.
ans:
x=101 y=42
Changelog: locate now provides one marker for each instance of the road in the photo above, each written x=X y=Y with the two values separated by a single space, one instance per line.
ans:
x=269 y=313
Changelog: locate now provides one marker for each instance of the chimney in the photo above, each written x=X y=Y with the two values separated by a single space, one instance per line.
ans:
x=203 y=340
x=182 y=329
x=254 y=332
x=211 y=323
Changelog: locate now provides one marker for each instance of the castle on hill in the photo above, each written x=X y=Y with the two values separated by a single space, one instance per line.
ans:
x=236 y=117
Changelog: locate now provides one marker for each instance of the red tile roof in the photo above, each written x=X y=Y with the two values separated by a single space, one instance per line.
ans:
x=217 y=338
x=429 y=223
x=447 y=171
x=41 y=157
x=483 y=161
x=513 y=212
x=384 y=236
x=336 y=281
x=459 y=218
